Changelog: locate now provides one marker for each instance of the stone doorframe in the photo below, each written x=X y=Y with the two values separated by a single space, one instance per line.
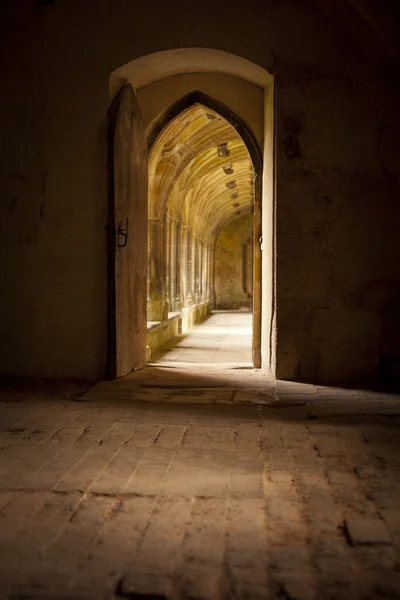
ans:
x=145 y=70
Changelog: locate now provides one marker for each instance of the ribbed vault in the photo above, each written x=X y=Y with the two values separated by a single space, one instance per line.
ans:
x=200 y=171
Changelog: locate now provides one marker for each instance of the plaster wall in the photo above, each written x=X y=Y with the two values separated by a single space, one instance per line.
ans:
x=337 y=186
x=229 y=271
x=242 y=97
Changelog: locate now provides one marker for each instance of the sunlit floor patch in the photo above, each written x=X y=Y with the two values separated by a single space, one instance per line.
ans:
x=225 y=338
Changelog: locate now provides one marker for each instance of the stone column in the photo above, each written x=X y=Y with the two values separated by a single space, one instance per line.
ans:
x=178 y=251
x=172 y=291
x=195 y=271
x=206 y=270
x=201 y=278
x=167 y=263
x=156 y=307
x=189 y=269
x=198 y=271
x=184 y=286
x=209 y=269
x=212 y=274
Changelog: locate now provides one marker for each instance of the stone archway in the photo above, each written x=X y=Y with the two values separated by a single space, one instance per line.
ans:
x=159 y=67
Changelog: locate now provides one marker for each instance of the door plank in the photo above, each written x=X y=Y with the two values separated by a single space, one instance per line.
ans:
x=128 y=235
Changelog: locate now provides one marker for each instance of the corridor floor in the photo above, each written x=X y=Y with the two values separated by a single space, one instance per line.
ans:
x=202 y=485
x=225 y=338
x=104 y=495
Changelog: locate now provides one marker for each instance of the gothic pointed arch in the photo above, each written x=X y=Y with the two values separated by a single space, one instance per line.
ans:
x=199 y=97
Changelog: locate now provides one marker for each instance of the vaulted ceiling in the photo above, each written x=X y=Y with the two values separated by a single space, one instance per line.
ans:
x=200 y=170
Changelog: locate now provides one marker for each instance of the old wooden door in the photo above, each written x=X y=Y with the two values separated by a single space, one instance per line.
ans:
x=257 y=268
x=127 y=227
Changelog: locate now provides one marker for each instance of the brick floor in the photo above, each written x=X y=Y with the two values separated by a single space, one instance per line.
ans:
x=156 y=486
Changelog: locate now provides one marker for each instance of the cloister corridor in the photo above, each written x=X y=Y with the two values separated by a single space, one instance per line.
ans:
x=203 y=237
x=224 y=340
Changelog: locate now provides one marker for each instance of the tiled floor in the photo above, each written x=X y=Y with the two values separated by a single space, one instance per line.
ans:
x=225 y=338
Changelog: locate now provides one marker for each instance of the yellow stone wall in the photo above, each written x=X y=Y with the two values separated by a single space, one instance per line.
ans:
x=233 y=265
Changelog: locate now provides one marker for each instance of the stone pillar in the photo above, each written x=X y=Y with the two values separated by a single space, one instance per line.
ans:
x=167 y=263
x=190 y=255
x=212 y=274
x=205 y=270
x=184 y=265
x=156 y=307
x=209 y=269
x=172 y=291
x=195 y=271
x=201 y=274
x=198 y=271
x=178 y=251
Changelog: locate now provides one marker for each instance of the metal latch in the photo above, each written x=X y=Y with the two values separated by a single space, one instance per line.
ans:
x=123 y=233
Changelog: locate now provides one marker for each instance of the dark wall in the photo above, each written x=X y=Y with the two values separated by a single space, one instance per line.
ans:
x=337 y=179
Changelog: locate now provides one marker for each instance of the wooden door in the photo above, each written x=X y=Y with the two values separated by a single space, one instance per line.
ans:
x=127 y=226
x=257 y=271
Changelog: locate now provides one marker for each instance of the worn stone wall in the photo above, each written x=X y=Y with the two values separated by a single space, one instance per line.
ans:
x=337 y=276
x=244 y=98
x=233 y=265
x=337 y=205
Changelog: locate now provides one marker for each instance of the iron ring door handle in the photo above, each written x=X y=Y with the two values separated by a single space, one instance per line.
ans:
x=124 y=234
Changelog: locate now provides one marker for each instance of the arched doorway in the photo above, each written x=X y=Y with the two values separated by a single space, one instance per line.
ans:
x=141 y=75
x=205 y=171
